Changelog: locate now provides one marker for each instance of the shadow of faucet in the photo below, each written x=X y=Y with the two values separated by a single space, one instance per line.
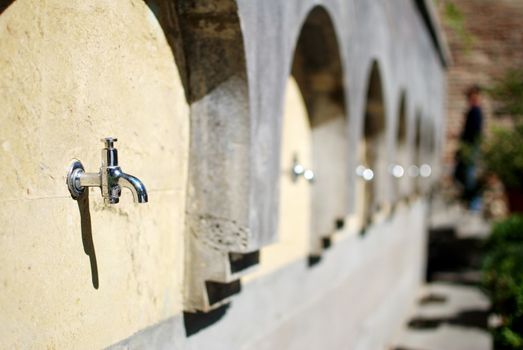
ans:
x=87 y=235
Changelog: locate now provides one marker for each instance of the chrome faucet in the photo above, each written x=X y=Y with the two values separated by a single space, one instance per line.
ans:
x=365 y=173
x=298 y=170
x=110 y=178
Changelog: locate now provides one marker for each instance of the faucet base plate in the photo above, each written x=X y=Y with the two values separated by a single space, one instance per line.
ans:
x=73 y=179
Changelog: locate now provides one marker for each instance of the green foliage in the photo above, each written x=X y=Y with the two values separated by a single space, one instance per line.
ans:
x=454 y=16
x=506 y=338
x=503 y=155
x=455 y=20
x=508 y=231
x=503 y=279
x=508 y=92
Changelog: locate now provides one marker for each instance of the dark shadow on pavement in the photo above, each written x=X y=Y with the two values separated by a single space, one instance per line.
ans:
x=467 y=318
x=455 y=263
x=433 y=299
x=452 y=256
x=453 y=260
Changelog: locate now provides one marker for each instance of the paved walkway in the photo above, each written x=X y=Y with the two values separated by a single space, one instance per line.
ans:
x=452 y=311
x=447 y=317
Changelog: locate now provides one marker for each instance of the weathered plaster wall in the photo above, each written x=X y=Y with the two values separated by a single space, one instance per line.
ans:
x=72 y=72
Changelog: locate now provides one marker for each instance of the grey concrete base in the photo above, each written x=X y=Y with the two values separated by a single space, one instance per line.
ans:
x=355 y=298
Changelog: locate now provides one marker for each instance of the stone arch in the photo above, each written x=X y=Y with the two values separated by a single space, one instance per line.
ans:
x=373 y=154
x=218 y=240
x=318 y=71
x=219 y=96
x=218 y=196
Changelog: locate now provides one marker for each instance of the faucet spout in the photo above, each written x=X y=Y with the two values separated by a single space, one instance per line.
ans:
x=136 y=187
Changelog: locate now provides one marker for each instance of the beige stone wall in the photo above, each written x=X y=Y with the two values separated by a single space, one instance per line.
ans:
x=72 y=72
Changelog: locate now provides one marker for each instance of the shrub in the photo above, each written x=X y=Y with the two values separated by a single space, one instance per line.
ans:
x=503 y=152
x=507 y=231
x=503 y=156
x=503 y=279
x=508 y=93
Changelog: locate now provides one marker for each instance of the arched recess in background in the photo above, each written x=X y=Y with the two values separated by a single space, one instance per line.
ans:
x=401 y=162
x=318 y=71
x=219 y=246
x=373 y=152
x=313 y=143
x=295 y=191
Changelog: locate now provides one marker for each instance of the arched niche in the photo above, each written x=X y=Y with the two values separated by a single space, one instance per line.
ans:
x=313 y=143
x=400 y=165
x=73 y=72
x=318 y=71
x=219 y=245
x=373 y=153
x=295 y=192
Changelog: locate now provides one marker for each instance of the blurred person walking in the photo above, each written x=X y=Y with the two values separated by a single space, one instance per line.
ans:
x=467 y=156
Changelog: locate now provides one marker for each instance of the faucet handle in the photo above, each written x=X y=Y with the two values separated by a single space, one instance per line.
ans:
x=109 y=142
x=109 y=153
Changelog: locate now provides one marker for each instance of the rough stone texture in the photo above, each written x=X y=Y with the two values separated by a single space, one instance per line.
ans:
x=72 y=72
x=497 y=45
x=215 y=76
x=220 y=124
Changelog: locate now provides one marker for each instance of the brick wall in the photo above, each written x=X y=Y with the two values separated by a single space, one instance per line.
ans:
x=495 y=29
